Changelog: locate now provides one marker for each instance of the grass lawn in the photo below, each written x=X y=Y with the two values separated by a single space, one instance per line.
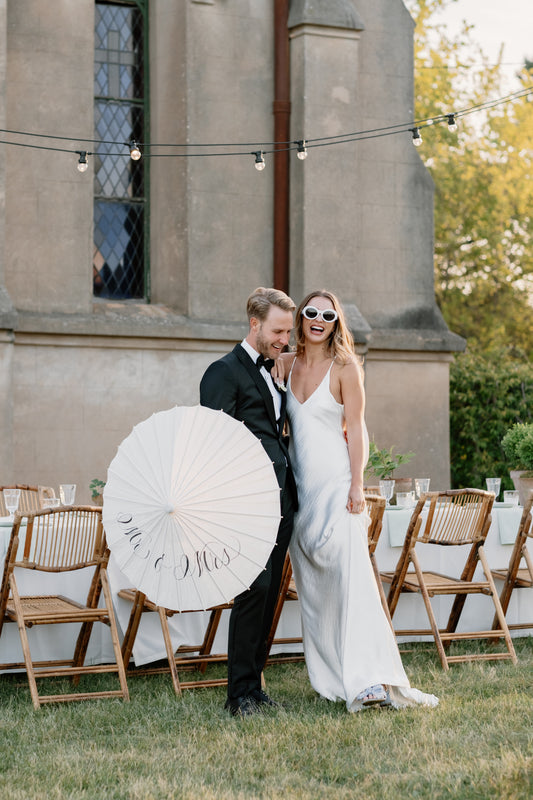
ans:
x=477 y=744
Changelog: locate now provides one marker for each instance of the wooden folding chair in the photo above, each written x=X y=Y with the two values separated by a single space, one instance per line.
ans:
x=187 y=657
x=30 y=497
x=376 y=509
x=458 y=518
x=60 y=540
x=515 y=576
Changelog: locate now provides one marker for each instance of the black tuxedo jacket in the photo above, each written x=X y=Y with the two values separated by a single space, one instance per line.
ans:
x=235 y=385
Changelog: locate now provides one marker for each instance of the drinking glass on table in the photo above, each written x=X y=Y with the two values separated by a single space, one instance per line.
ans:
x=67 y=493
x=405 y=499
x=493 y=485
x=386 y=490
x=50 y=502
x=510 y=496
x=11 y=499
x=421 y=486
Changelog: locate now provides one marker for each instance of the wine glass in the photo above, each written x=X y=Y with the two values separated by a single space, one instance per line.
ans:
x=493 y=485
x=386 y=490
x=11 y=499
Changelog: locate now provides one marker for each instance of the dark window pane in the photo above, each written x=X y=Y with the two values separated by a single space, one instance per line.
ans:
x=119 y=212
x=118 y=250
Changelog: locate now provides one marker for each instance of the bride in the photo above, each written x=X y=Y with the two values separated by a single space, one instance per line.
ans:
x=350 y=649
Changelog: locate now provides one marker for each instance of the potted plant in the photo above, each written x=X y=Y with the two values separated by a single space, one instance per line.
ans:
x=517 y=445
x=97 y=487
x=382 y=463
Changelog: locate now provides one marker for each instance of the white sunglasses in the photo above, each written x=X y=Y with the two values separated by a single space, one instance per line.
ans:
x=328 y=314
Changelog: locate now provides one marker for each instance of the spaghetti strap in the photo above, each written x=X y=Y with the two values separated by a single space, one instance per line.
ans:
x=292 y=365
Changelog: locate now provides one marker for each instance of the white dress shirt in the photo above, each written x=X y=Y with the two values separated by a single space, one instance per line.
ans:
x=254 y=355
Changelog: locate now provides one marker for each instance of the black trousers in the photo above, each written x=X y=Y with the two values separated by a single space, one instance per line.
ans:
x=252 y=613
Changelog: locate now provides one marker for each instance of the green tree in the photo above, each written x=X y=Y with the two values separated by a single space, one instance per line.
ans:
x=483 y=186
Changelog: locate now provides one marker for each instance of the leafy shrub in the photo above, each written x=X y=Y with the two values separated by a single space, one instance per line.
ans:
x=517 y=444
x=488 y=395
x=525 y=449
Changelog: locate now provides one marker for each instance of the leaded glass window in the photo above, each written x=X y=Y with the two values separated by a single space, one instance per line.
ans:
x=120 y=264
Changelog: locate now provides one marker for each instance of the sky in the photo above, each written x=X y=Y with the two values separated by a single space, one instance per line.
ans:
x=496 y=22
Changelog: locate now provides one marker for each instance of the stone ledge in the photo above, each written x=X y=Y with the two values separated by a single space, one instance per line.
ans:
x=142 y=323
x=417 y=339
x=124 y=320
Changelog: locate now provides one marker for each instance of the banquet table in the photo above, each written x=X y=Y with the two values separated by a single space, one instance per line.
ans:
x=188 y=628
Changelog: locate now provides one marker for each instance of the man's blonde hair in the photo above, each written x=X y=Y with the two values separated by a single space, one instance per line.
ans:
x=259 y=302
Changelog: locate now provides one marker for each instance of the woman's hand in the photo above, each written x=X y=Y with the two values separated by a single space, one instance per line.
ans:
x=356 y=500
x=278 y=373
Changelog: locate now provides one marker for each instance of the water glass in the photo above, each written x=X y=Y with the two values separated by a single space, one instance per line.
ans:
x=511 y=497
x=422 y=486
x=493 y=485
x=405 y=499
x=11 y=499
x=386 y=490
x=50 y=502
x=67 y=493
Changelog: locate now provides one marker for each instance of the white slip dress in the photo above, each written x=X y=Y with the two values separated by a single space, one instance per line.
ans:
x=348 y=643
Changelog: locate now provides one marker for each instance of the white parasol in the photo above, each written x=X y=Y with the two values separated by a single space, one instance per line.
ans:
x=191 y=507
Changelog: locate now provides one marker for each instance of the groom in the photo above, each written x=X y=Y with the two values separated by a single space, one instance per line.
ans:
x=241 y=385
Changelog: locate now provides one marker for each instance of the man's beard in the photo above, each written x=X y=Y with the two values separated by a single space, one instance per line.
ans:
x=262 y=345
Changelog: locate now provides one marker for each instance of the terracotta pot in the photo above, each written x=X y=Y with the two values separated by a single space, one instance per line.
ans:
x=524 y=486
x=403 y=485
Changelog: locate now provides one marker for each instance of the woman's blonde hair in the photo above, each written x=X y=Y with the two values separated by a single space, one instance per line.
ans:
x=340 y=344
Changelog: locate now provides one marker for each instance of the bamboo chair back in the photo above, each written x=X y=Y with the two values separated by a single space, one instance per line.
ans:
x=376 y=508
x=60 y=540
x=516 y=576
x=455 y=517
x=30 y=497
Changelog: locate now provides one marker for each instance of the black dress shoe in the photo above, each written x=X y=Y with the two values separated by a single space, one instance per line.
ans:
x=245 y=706
x=262 y=699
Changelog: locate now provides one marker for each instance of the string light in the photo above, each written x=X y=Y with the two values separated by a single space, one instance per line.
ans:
x=417 y=139
x=135 y=152
x=259 y=160
x=452 y=125
x=301 y=146
x=302 y=149
x=82 y=162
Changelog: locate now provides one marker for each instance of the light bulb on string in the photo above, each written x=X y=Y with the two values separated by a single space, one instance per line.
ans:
x=452 y=125
x=302 y=149
x=82 y=161
x=417 y=139
x=135 y=152
x=259 y=160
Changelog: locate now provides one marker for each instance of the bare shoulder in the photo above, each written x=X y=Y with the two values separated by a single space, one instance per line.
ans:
x=349 y=371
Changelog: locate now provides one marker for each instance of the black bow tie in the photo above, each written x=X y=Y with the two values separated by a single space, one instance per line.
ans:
x=268 y=363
